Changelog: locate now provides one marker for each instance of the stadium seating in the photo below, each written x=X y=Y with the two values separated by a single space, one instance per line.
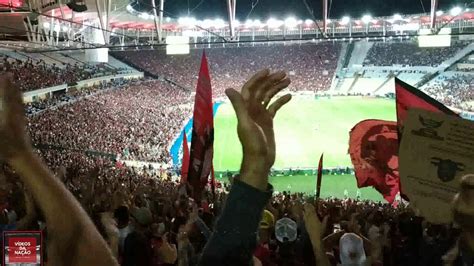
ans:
x=454 y=89
x=409 y=53
x=138 y=121
x=310 y=66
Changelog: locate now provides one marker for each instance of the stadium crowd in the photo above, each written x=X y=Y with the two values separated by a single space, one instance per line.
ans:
x=147 y=218
x=409 y=53
x=455 y=90
x=127 y=122
x=311 y=67
x=32 y=75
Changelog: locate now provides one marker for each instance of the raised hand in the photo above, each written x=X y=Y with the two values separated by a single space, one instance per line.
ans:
x=13 y=140
x=255 y=123
x=314 y=226
x=316 y=229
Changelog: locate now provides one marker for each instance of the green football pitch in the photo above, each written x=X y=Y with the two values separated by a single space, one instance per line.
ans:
x=305 y=128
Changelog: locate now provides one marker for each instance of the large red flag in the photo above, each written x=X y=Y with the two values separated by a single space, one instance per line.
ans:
x=185 y=160
x=202 y=134
x=373 y=147
x=319 y=176
x=373 y=144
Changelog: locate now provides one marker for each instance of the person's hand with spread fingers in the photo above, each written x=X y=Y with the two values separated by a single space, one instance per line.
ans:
x=255 y=123
x=316 y=229
x=234 y=238
x=72 y=237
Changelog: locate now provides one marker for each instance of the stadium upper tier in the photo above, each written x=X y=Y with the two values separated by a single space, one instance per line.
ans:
x=311 y=66
x=409 y=53
x=32 y=71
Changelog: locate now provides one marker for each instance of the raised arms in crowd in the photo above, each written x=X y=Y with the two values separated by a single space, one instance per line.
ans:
x=72 y=237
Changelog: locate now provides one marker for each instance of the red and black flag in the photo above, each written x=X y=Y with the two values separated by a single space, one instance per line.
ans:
x=373 y=144
x=373 y=147
x=319 y=176
x=185 y=160
x=408 y=97
x=202 y=134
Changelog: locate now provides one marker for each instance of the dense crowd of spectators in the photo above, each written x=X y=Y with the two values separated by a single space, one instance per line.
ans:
x=456 y=91
x=311 y=66
x=148 y=218
x=137 y=120
x=409 y=53
x=32 y=75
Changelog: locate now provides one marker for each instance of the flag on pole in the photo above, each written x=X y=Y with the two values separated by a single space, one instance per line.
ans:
x=320 y=176
x=185 y=160
x=203 y=133
x=373 y=144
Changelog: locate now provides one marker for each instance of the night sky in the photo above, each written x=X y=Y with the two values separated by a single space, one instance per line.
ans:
x=283 y=8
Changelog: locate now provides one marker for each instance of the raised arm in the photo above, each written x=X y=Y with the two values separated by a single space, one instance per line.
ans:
x=72 y=237
x=234 y=238
x=316 y=230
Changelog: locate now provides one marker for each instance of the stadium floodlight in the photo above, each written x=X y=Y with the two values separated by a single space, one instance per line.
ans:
x=46 y=25
x=345 y=20
x=219 y=23
x=187 y=21
x=257 y=23
x=291 y=22
x=455 y=11
x=249 y=23
x=308 y=22
x=274 y=23
x=439 y=12
x=207 y=23
x=366 y=19
x=397 y=17
x=144 y=15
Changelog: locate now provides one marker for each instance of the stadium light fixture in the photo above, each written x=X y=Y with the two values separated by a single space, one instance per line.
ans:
x=187 y=21
x=249 y=23
x=207 y=23
x=219 y=23
x=455 y=11
x=257 y=23
x=439 y=12
x=144 y=16
x=274 y=23
x=291 y=22
x=345 y=20
x=397 y=17
x=367 y=19
x=308 y=22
